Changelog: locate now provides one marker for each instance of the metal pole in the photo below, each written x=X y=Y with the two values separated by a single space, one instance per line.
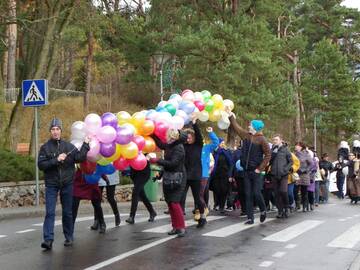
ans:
x=315 y=132
x=36 y=155
x=161 y=85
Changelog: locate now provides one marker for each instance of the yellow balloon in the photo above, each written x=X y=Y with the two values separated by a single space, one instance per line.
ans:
x=218 y=101
x=103 y=161
x=116 y=155
x=123 y=117
x=129 y=151
x=215 y=115
x=138 y=119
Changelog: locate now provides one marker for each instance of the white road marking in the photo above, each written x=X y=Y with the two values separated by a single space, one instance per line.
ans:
x=232 y=229
x=25 y=231
x=266 y=263
x=279 y=254
x=293 y=231
x=357 y=215
x=129 y=253
x=137 y=220
x=347 y=239
x=291 y=246
x=342 y=219
x=190 y=222
x=2 y=235
x=59 y=222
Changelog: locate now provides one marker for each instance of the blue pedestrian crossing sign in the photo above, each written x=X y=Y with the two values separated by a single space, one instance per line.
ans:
x=34 y=93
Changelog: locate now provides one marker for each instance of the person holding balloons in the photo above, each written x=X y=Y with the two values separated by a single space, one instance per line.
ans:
x=139 y=178
x=173 y=164
x=255 y=156
x=57 y=160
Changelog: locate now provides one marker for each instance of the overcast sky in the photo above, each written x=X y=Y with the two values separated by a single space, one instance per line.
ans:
x=352 y=3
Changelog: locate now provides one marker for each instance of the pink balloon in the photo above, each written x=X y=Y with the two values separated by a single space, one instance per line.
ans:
x=92 y=123
x=140 y=142
x=121 y=164
x=106 y=134
x=139 y=163
x=94 y=149
x=161 y=129
x=186 y=91
x=199 y=104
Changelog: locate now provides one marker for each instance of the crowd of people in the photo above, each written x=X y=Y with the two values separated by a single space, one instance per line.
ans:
x=253 y=174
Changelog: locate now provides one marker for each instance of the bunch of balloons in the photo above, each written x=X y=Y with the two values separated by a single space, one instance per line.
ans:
x=119 y=141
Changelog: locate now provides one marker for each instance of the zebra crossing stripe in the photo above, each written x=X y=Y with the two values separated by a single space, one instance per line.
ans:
x=293 y=231
x=347 y=239
x=190 y=222
x=232 y=229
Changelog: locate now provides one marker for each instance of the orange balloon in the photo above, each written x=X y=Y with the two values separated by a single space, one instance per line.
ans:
x=147 y=128
x=150 y=145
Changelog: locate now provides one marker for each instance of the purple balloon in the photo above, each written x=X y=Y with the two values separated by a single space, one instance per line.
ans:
x=109 y=119
x=107 y=149
x=124 y=135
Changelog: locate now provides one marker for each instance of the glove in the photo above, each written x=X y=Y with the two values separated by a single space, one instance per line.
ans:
x=153 y=160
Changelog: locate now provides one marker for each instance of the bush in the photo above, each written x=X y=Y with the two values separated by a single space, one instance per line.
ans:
x=15 y=167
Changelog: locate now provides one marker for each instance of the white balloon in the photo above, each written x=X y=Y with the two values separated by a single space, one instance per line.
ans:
x=223 y=125
x=177 y=122
x=198 y=96
x=164 y=117
x=162 y=104
x=203 y=116
x=174 y=102
x=77 y=143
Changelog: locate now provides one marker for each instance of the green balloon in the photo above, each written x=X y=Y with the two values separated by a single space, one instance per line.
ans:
x=171 y=109
x=206 y=95
x=209 y=106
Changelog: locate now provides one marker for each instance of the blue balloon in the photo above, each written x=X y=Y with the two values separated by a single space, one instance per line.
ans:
x=187 y=107
x=107 y=169
x=161 y=109
x=92 y=178
x=238 y=166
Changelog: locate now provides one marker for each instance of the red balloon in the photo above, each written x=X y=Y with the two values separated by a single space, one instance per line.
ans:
x=139 y=163
x=199 y=104
x=88 y=167
x=140 y=142
x=161 y=129
x=121 y=164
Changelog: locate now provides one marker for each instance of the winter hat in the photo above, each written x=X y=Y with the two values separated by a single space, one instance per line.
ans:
x=55 y=123
x=258 y=125
x=356 y=143
x=344 y=144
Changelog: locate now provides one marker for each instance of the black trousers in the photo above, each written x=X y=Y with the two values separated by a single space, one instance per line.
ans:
x=253 y=186
x=241 y=192
x=281 y=195
x=195 y=189
x=97 y=209
x=139 y=193
x=110 y=195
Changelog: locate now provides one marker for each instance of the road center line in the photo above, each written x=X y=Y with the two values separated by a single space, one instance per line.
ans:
x=129 y=253
x=293 y=231
x=2 y=235
x=25 y=231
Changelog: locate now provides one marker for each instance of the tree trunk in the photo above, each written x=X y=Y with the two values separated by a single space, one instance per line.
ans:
x=11 y=64
x=298 y=133
x=234 y=6
x=89 y=63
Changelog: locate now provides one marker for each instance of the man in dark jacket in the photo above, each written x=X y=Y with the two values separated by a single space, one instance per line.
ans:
x=280 y=166
x=255 y=155
x=238 y=174
x=193 y=148
x=57 y=159
x=326 y=167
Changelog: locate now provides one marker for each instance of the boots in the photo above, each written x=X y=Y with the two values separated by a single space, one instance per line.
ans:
x=285 y=213
x=130 y=220
x=117 y=220
x=311 y=207
x=95 y=226
x=196 y=215
x=47 y=244
x=201 y=223
x=102 y=227
x=152 y=216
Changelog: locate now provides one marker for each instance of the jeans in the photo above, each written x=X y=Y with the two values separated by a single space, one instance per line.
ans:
x=340 y=186
x=317 y=192
x=291 y=193
x=253 y=185
x=66 y=199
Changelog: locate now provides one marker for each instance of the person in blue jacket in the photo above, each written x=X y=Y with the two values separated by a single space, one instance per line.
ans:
x=207 y=151
x=221 y=174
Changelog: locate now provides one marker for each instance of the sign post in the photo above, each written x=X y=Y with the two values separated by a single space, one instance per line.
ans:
x=35 y=94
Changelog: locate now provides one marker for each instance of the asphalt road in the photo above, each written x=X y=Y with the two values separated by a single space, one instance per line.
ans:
x=327 y=238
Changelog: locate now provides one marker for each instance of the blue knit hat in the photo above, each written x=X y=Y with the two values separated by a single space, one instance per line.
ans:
x=258 y=125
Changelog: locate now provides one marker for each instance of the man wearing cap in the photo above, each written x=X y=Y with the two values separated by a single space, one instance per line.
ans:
x=255 y=155
x=57 y=160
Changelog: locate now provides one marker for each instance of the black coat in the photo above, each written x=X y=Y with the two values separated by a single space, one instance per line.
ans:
x=193 y=156
x=173 y=161
x=60 y=173
x=327 y=166
x=140 y=178
x=280 y=162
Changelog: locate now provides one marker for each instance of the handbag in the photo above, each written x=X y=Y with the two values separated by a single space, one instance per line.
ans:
x=295 y=177
x=172 y=180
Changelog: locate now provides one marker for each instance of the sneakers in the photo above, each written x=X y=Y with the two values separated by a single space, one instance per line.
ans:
x=172 y=232
x=130 y=220
x=197 y=215
x=102 y=229
x=68 y=243
x=179 y=232
x=201 y=223
x=47 y=244
x=262 y=216
x=152 y=217
x=249 y=222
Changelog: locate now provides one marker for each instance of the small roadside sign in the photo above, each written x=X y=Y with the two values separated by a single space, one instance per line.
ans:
x=34 y=93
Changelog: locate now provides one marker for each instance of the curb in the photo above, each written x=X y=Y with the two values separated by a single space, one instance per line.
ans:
x=355 y=265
